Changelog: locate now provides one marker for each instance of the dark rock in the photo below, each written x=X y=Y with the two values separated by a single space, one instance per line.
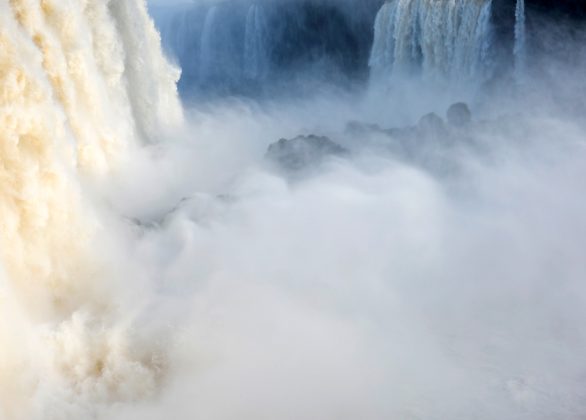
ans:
x=459 y=115
x=361 y=128
x=432 y=125
x=575 y=9
x=303 y=151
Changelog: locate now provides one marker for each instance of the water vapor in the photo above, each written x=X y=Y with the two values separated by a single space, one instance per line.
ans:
x=386 y=259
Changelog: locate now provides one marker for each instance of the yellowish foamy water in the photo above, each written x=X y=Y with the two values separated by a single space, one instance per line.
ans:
x=81 y=83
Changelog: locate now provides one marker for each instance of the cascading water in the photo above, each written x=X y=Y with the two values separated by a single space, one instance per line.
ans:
x=383 y=50
x=256 y=54
x=80 y=82
x=207 y=50
x=435 y=38
x=520 y=41
x=234 y=288
x=228 y=47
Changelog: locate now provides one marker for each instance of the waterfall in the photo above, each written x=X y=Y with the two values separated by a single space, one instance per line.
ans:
x=256 y=54
x=80 y=82
x=383 y=49
x=434 y=38
x=207 y=51
x=232 y=47
x=520 y=40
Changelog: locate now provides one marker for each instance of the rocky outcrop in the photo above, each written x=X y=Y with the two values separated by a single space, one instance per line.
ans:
x=410 y=142
x=459 y=115
x=303 y=152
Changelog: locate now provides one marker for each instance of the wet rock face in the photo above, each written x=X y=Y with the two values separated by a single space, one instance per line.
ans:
x=303 y=152
x=309 y=32
x=216 y=43
x=569 y=8
x=504 y=10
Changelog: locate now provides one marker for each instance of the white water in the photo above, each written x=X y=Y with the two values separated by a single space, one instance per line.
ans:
x=82 y=84
x=434 y=38
x=520 y=50
x=256 y=54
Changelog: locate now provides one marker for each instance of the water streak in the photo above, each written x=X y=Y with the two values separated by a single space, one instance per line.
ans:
x=520 y=41
x=208 y=52
x=256 y=54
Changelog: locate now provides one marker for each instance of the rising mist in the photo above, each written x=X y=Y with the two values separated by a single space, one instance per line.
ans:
x=310 y=235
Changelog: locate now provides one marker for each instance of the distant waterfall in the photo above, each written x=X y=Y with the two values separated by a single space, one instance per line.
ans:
x=433 y=38
x=520 y=40
x=207 y=52
x=383 y=49
x=249 y=47
x=256 y=54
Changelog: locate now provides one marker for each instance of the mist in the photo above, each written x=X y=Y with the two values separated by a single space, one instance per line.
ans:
x=331 y=241
x=446 y=284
